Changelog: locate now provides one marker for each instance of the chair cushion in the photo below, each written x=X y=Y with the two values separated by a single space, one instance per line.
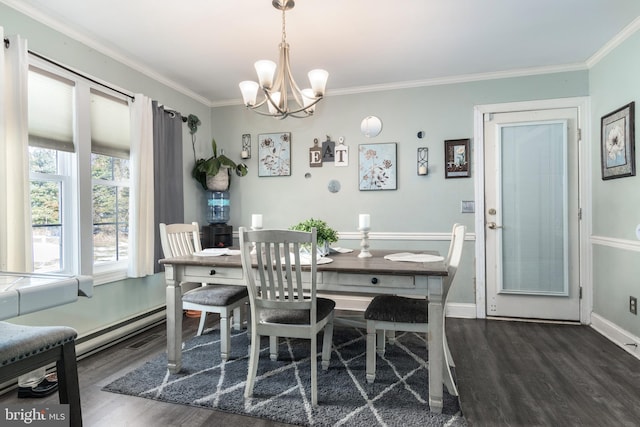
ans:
x=216 y=295
x=324 y=307
x=20 y=342
x=392 y=308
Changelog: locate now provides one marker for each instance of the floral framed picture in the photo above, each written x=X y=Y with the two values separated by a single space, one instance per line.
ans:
x=617 y=143
x=457 y=158
x=274 y=154
x=377 y=166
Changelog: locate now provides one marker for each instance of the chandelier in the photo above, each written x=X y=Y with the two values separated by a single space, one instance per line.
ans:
x=277 y=86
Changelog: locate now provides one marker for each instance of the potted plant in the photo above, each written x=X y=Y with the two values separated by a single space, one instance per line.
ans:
x=213 y=173
x=325 y=234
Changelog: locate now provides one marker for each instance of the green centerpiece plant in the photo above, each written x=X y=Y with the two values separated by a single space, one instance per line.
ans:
x=325 y=234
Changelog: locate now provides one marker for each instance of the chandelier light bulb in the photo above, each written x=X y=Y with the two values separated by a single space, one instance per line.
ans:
x=318 y=79
x=266 y=70
x=249 y=91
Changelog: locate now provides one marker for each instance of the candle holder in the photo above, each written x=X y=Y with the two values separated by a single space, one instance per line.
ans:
x=423 y=161
x=246 y=146
x=364 y=243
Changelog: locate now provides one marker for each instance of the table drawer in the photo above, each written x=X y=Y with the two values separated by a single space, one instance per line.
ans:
x=369 y=280
x=213 y=272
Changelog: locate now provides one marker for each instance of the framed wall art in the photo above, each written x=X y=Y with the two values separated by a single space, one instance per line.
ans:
x=377 y=166
x=457 y=158
x=617 y=143
x=274 y=154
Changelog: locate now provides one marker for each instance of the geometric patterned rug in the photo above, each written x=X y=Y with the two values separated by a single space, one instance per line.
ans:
x=282 y=392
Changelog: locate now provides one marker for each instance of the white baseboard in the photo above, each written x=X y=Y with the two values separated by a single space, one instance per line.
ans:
x=117 y=333
x=624 y=339
x=460 y=310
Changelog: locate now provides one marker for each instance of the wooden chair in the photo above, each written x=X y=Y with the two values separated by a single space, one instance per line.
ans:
x=25 y=348
x=280 y=307
x=398 y=313
x=184 y=239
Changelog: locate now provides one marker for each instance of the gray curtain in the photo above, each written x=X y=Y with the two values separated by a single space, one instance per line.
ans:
x=167 y=166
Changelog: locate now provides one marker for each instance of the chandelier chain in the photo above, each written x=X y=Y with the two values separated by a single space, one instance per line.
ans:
x=284 y=30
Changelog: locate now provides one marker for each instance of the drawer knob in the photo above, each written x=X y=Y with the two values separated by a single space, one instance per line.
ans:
x=374 y=280
x=212 y=272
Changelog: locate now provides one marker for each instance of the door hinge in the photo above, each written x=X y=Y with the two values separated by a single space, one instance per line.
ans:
x=580 y=293
x=579 y=134
x=579 y=214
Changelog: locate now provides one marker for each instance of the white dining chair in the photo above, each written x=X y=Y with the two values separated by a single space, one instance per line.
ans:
x=283 y=297
x=228 y=301
x=398 y=313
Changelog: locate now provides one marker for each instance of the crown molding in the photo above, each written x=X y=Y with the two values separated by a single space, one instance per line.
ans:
x=37 y=15
x=623 y=35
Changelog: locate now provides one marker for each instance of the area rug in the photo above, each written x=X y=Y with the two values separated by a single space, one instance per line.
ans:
x=398 y=397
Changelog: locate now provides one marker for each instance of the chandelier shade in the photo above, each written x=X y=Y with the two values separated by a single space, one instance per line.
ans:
x=278 y=85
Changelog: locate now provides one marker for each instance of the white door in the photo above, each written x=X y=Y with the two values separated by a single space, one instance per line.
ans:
x=532 y=214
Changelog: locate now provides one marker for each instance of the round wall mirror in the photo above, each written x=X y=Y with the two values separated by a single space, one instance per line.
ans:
x=371 y=126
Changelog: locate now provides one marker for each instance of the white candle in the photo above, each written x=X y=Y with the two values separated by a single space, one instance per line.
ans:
x=244 y=154
x=422 y=170
x=364 y=221
x=256 y=221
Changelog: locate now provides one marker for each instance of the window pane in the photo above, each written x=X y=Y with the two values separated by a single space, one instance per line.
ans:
x=42 y=160
x=104 y=243
x=46 y=226
x=45 y=203
x=101 y=167
x=104 y=204
x=120 y=169
x=47 y=248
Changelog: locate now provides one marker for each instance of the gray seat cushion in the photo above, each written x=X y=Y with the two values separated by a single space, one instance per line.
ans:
x=392 y=308
x=324 y=307
x=216 y=295
x=18 y=342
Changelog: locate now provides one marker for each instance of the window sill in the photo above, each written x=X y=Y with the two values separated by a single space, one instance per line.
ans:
x=108 y=273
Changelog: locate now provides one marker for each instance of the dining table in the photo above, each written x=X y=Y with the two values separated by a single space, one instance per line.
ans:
x=347 y=273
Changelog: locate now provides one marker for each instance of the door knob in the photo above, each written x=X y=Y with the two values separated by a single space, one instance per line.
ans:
x=493 y=226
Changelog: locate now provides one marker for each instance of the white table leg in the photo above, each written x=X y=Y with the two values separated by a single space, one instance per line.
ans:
x=174 y=326
x=436 y=353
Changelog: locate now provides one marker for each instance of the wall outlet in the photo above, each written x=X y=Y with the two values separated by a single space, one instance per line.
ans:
x=633 y=305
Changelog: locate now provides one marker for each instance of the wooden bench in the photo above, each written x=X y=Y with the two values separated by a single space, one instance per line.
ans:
x=26 y=348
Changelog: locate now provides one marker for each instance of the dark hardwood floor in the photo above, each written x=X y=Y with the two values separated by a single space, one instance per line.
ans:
x=509 y=374
x=536 y=374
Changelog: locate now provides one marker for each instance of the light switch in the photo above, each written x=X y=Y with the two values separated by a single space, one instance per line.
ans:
x=638 y=231
x=467 y=206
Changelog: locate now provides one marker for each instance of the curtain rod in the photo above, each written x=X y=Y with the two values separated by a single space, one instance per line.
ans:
x=7 y=43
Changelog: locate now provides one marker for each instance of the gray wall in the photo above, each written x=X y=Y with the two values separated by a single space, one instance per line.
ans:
x=616 y=203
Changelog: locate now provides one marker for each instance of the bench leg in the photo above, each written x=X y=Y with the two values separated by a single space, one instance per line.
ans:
x=68 y=387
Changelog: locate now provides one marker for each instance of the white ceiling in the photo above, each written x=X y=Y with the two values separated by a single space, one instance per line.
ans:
x=205 y=47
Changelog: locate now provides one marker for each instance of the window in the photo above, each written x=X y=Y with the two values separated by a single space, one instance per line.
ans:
x=79 y=174
x=110 y=178
x=50 y=160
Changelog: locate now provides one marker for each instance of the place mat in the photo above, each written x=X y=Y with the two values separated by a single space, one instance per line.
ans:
x=411 y=257
x=306 y=260
x=217 y=252
x=340 y=250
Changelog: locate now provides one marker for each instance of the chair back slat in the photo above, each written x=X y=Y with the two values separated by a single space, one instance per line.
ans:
x=278 y=279
x=454 y=256
x=180 y=239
